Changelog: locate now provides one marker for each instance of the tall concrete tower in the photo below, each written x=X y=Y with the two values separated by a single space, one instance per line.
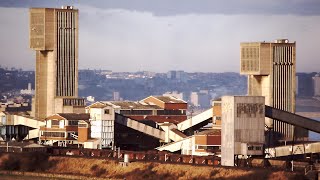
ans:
x=271 y=70
x=54 y=37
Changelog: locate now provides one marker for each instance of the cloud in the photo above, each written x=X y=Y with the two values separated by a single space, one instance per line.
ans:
x=176 y=7
x=130 y=40
x=14 y=34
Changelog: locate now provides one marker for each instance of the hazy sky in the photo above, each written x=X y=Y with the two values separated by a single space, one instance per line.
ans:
x=190 y=35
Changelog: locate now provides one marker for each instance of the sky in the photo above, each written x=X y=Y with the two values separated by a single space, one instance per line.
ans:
x=163 y=35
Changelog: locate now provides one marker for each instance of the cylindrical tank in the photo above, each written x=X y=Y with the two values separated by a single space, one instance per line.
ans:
x=126 y=158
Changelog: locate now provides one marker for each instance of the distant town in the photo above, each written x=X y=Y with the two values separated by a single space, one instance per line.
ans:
x=197 y=88
x=96 y=85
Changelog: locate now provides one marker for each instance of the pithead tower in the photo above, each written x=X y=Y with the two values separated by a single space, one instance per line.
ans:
x=271 y=70
x=54 y=37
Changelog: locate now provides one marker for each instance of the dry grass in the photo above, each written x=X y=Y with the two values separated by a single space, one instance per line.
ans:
x=139 y=170
x=155 y=171
x=84 y=166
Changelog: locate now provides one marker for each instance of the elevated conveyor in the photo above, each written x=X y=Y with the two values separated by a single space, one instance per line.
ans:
x=181 y=139
x=176 y=135
x=292 y=150
x=296 y=120
x=195 y=120
x=176 y=146
x=171 y=132
x=34 y=133
x=29 y=122
x=292 y=119
x=138 y=126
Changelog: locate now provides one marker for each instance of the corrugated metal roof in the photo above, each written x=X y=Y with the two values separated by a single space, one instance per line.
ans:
x=210 y=132
x=169 y=99
x=135 y=105
x=97 y=105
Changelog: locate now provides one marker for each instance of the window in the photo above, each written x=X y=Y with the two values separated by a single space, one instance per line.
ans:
x=107 y=111
x=54 y=134
x=136 y=112
x=209 y=147
x=254 y=148
x=171 y=112
x=55 y=123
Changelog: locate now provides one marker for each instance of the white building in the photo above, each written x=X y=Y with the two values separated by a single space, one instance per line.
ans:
x=116 y=96
x=28 y=91
x=102 y=123
x=200 y=99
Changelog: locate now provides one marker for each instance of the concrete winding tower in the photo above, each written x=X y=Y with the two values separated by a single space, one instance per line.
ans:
x=54 y=37
x=271 y=69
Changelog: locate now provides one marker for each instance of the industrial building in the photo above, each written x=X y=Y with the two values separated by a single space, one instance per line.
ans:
x=242 y=127
x=65 y=129
x=102 y=119
x=152 y=111
x=54 y=37
x=9 y=130
x=271 y=70
x=217 y=113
